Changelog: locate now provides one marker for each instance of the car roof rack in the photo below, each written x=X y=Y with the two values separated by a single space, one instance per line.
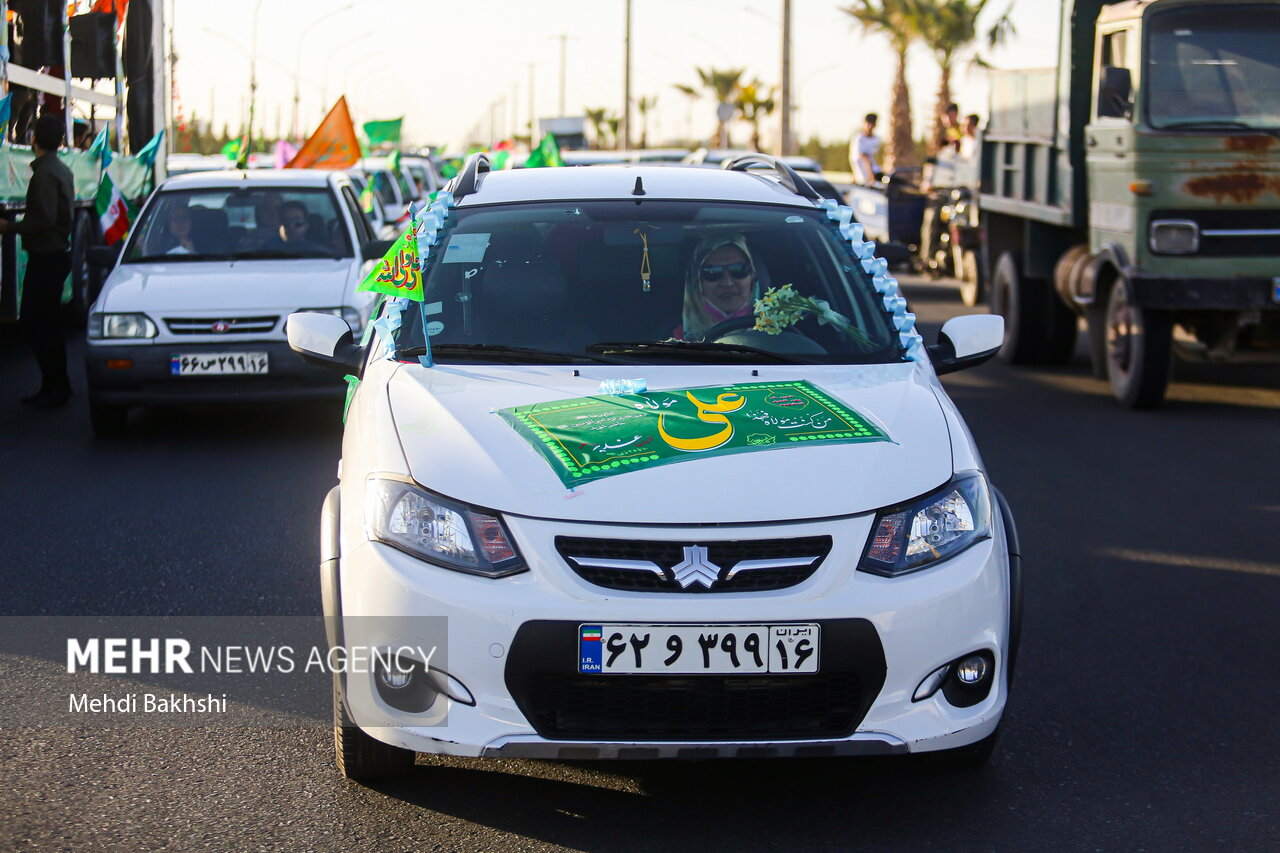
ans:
x=468 y=180
x=786 y=175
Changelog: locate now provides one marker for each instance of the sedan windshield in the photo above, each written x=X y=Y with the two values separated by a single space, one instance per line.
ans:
x=1214 y=66
x=651 y=282
x=240 y=223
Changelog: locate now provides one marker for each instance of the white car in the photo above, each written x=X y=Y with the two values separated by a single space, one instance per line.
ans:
x=585 y=529
x=194 y=308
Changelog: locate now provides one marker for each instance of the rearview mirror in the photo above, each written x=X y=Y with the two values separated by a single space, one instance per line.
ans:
x=374 y=250
x=103 y=256
x=967 y=342
x=326 y=341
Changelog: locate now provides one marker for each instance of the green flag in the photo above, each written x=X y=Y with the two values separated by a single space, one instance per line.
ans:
x=379 y=132
x=546 y=154
x=397 y=273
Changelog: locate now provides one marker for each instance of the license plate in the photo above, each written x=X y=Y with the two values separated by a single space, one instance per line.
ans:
x=697 y=649
x=218 y=364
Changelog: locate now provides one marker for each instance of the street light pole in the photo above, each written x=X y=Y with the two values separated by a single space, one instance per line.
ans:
x=253 y=75
x=785 y=144
x=626 y=86
x=295 y=130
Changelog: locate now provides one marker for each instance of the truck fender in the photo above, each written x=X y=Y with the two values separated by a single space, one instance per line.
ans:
x=1094 y=284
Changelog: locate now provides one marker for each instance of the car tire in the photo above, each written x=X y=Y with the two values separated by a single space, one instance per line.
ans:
x=360 y=757
x=1139 y=350
x=108 y=421
x=1038 y=328
x=971 y=289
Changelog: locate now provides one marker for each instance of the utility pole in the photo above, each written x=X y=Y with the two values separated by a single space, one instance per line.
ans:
x=564 y=42
x=626 y=85
x=785 y=144
x=533 y=116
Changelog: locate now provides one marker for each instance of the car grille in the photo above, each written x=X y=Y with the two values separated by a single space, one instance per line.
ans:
x=235 y=325
x=744 y=566
x=1242 y=245
x=562 y=704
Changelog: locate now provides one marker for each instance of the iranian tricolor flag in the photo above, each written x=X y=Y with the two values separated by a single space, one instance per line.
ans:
x=115 y=214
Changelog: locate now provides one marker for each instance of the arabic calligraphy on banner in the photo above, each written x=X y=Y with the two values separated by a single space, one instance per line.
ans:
x=588 y=438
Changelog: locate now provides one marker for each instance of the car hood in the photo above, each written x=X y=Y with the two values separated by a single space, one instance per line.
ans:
x=214 y=286
x=456 y=444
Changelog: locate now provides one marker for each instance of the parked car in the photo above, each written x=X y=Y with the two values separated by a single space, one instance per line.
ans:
x=194 y=308
x=371 y=208
x=393 y=188
x=576 y=531
x=718 y=156
x=424 y=173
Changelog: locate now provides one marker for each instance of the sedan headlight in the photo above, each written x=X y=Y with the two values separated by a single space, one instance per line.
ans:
x=121 y=326
x=913 y=536
x=351 y=315
x=1175 y=237
x=438 y=530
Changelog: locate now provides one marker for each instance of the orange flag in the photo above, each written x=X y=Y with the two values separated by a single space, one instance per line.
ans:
x=333 y=145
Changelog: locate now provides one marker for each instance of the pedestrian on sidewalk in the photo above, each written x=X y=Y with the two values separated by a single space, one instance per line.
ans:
x=46 y=236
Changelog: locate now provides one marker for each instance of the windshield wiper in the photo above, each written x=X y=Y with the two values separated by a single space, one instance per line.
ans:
x=675 y=347
x=500 y=353
x=181 y=257
x=285 y=254
x=1211 y=123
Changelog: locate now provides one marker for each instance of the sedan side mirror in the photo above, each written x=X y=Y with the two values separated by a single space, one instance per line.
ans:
x=103 y=256
x=967 y=342
x=325 y=341
x=374 y=250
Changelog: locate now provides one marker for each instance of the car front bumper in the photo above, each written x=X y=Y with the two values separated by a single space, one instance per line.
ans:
x=500 y=637
x=151 y=382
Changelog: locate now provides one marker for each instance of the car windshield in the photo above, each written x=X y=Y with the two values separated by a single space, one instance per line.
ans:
x=1213 y=65
x=654 y=282
x=240 y=223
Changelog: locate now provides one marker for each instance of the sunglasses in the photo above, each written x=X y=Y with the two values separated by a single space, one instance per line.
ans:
x=293 y=223
x=713 y=272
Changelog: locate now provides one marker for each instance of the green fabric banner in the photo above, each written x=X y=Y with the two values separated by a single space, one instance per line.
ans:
x=589 y=438
x=379 y=132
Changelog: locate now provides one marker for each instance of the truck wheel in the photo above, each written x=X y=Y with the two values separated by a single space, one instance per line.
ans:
x=108 y=421
x=971 y=289
x=360 y=757
x=1138 y=345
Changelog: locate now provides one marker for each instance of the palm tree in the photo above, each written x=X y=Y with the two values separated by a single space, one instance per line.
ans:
x=723 y=84
x=599 y=118
x=897 y=21
x=755 y=103
x=693 y=95
x=949 y=28
x=644 y=105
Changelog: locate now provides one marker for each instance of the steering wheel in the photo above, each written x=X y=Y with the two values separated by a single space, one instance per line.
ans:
x=719 y=330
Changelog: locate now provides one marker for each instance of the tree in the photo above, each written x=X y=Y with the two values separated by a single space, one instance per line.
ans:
x=754 y=103
x=693 y=96
x=896 y=20
x=949 y=28
x=644 y=105
x=599 y=118
x=723 y=84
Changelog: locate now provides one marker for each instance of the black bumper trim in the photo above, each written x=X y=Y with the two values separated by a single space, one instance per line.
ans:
x=1169 y=293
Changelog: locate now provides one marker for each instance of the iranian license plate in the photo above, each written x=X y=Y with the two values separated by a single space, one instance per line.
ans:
x=697 y=649
x=218 y=364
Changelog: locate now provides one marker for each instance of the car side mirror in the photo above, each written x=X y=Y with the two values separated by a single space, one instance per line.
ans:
x=325 y=341
x=967 y=342
x=1115 y=93
x=103 y=256
x=374 y=250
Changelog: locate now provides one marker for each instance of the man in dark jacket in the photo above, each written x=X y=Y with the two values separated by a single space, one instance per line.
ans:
x=46 y=236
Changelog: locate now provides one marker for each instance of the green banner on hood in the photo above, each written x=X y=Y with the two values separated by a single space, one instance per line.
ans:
x=588 y=438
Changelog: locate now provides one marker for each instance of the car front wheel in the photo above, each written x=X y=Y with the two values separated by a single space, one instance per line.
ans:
x=360 y=757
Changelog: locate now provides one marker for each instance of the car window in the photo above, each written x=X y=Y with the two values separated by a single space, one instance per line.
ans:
x=364 y=232
x=240 y=222
x=384 y=187
x=568 y=277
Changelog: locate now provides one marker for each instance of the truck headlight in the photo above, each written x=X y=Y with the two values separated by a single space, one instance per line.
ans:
x=439 y=530
x=121 y=326
x=913 y=536
x=1175 y=237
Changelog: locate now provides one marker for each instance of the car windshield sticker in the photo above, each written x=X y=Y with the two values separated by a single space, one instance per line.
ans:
x=465 y=249
x=588 y=438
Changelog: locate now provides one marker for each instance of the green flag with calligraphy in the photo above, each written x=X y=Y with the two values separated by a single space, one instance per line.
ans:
x=588 y=438
x=397 y=273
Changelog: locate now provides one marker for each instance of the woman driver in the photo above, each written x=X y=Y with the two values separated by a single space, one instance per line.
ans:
x=721 y=285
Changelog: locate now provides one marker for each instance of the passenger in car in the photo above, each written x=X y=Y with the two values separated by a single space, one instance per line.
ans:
x=266 y=225
x=178 y=228
x=295 y=227
x=720 y=285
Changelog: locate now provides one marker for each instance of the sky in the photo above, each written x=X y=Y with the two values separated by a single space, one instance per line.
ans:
x=453 y=69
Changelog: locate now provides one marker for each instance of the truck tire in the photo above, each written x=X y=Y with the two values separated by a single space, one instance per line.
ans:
x=971 y=289
x=1038 y=328
x=1139 y=343
x=362 y=758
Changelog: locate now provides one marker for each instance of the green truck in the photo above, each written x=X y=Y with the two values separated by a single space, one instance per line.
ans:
x=1137 y=186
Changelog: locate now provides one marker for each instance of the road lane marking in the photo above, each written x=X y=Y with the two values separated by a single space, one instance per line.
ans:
x=1193 y=562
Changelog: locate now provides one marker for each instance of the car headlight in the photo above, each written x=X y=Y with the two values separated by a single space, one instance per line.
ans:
x=913 y=536
x=351 y=315
x=1175 y=237
x=121 y=326
x=440 y=531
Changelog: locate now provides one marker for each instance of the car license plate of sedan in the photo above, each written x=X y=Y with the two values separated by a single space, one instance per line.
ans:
x=697 y=649
x=218 y=364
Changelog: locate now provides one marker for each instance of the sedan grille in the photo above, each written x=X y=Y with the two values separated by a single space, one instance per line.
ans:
x=220 y=325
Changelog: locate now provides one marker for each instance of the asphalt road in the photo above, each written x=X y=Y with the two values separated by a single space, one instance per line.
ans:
x=1142 y=717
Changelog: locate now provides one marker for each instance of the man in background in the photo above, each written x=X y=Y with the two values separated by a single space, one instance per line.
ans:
x=863 y=150
x=46 y=235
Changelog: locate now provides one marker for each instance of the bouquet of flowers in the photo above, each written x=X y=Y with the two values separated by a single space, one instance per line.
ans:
x=781 y=308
